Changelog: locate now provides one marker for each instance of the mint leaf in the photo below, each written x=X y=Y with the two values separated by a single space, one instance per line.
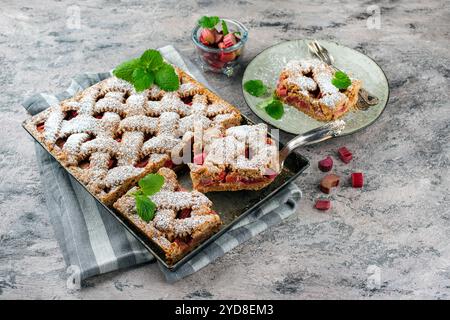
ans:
x=151 y=184
x=166 y=78
x=224 y=28
x=142 y=79
x=148 y=69
x=255 y=87
x=208 y=22
x=275 y=109
x=152 y=59
x=341 y=80
x=125 y=70
x=145 y=207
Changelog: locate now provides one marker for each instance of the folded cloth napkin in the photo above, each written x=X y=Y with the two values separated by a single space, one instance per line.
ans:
x=93 y=242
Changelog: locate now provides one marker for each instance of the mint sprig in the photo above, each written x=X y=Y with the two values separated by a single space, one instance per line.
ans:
x=148 y=186
x=273 y=107
x=208 y=22
x=224 y=28
x=341 y=80
x=148 y=69
x=255 y=87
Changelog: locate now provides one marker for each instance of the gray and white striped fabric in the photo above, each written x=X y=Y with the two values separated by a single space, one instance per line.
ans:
x=93 y=242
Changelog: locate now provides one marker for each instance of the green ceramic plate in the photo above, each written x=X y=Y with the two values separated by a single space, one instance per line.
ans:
x=267 y=66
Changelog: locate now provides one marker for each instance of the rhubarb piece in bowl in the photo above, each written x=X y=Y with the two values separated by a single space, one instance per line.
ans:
x=243 y=158
x=308 y=86
x=221 y=46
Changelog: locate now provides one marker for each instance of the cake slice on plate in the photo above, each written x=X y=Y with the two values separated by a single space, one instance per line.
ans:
x=307 y=85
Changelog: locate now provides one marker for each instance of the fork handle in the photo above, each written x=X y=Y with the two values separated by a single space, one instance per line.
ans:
x=316 y=135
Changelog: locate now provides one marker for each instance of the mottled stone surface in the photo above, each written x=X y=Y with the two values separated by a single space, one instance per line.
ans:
x=400 y=221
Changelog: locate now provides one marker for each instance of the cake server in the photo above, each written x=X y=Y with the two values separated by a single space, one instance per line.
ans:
x=322 y=133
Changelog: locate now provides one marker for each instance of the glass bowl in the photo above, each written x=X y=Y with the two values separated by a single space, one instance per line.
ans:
x=218 y=60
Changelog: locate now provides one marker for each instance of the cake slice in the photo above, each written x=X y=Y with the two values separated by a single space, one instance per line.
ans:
x=306 y=85
x=183 y=219
x=242 y=158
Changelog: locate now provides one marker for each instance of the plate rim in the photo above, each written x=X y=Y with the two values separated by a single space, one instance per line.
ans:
x=338 y=44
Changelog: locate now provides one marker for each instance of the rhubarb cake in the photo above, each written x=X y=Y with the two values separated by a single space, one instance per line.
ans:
x=240 y=158
x=307 y=85
x=109 y=136
x=183 y=219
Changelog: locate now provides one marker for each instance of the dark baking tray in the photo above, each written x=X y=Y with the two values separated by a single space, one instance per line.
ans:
x=231 y=206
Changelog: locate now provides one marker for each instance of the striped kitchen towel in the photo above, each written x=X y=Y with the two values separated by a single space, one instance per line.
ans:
x=93 y=242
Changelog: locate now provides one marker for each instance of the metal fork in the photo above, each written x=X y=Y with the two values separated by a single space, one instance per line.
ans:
x=365 y=99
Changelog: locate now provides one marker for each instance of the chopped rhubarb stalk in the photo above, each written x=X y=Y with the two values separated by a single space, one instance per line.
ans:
x=270 y=173
x=222 y=176
x=328 y=182
x=207 y=37
x=112 y=163
x=231 y=178
x=199 y=158
x=272 y=176
x=357 y=180
x=98 y=116
x=85 y=164
x=119 y=139
x=168 y=164
x=345 y=155
x=229 y=40
x=206 y=182
x=251 y=180
x=60 y=142
x=281 y=91
x=326 y=164
x=185 y=213
x=218 y=37
x=323 y=204
x=217 y=64
x=142 y=163
x=227 y=56
x=40 y=127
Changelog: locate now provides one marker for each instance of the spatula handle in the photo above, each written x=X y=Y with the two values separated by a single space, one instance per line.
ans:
x=319 y=134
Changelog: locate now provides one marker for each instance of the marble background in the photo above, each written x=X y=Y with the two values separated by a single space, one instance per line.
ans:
x=399 y=222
